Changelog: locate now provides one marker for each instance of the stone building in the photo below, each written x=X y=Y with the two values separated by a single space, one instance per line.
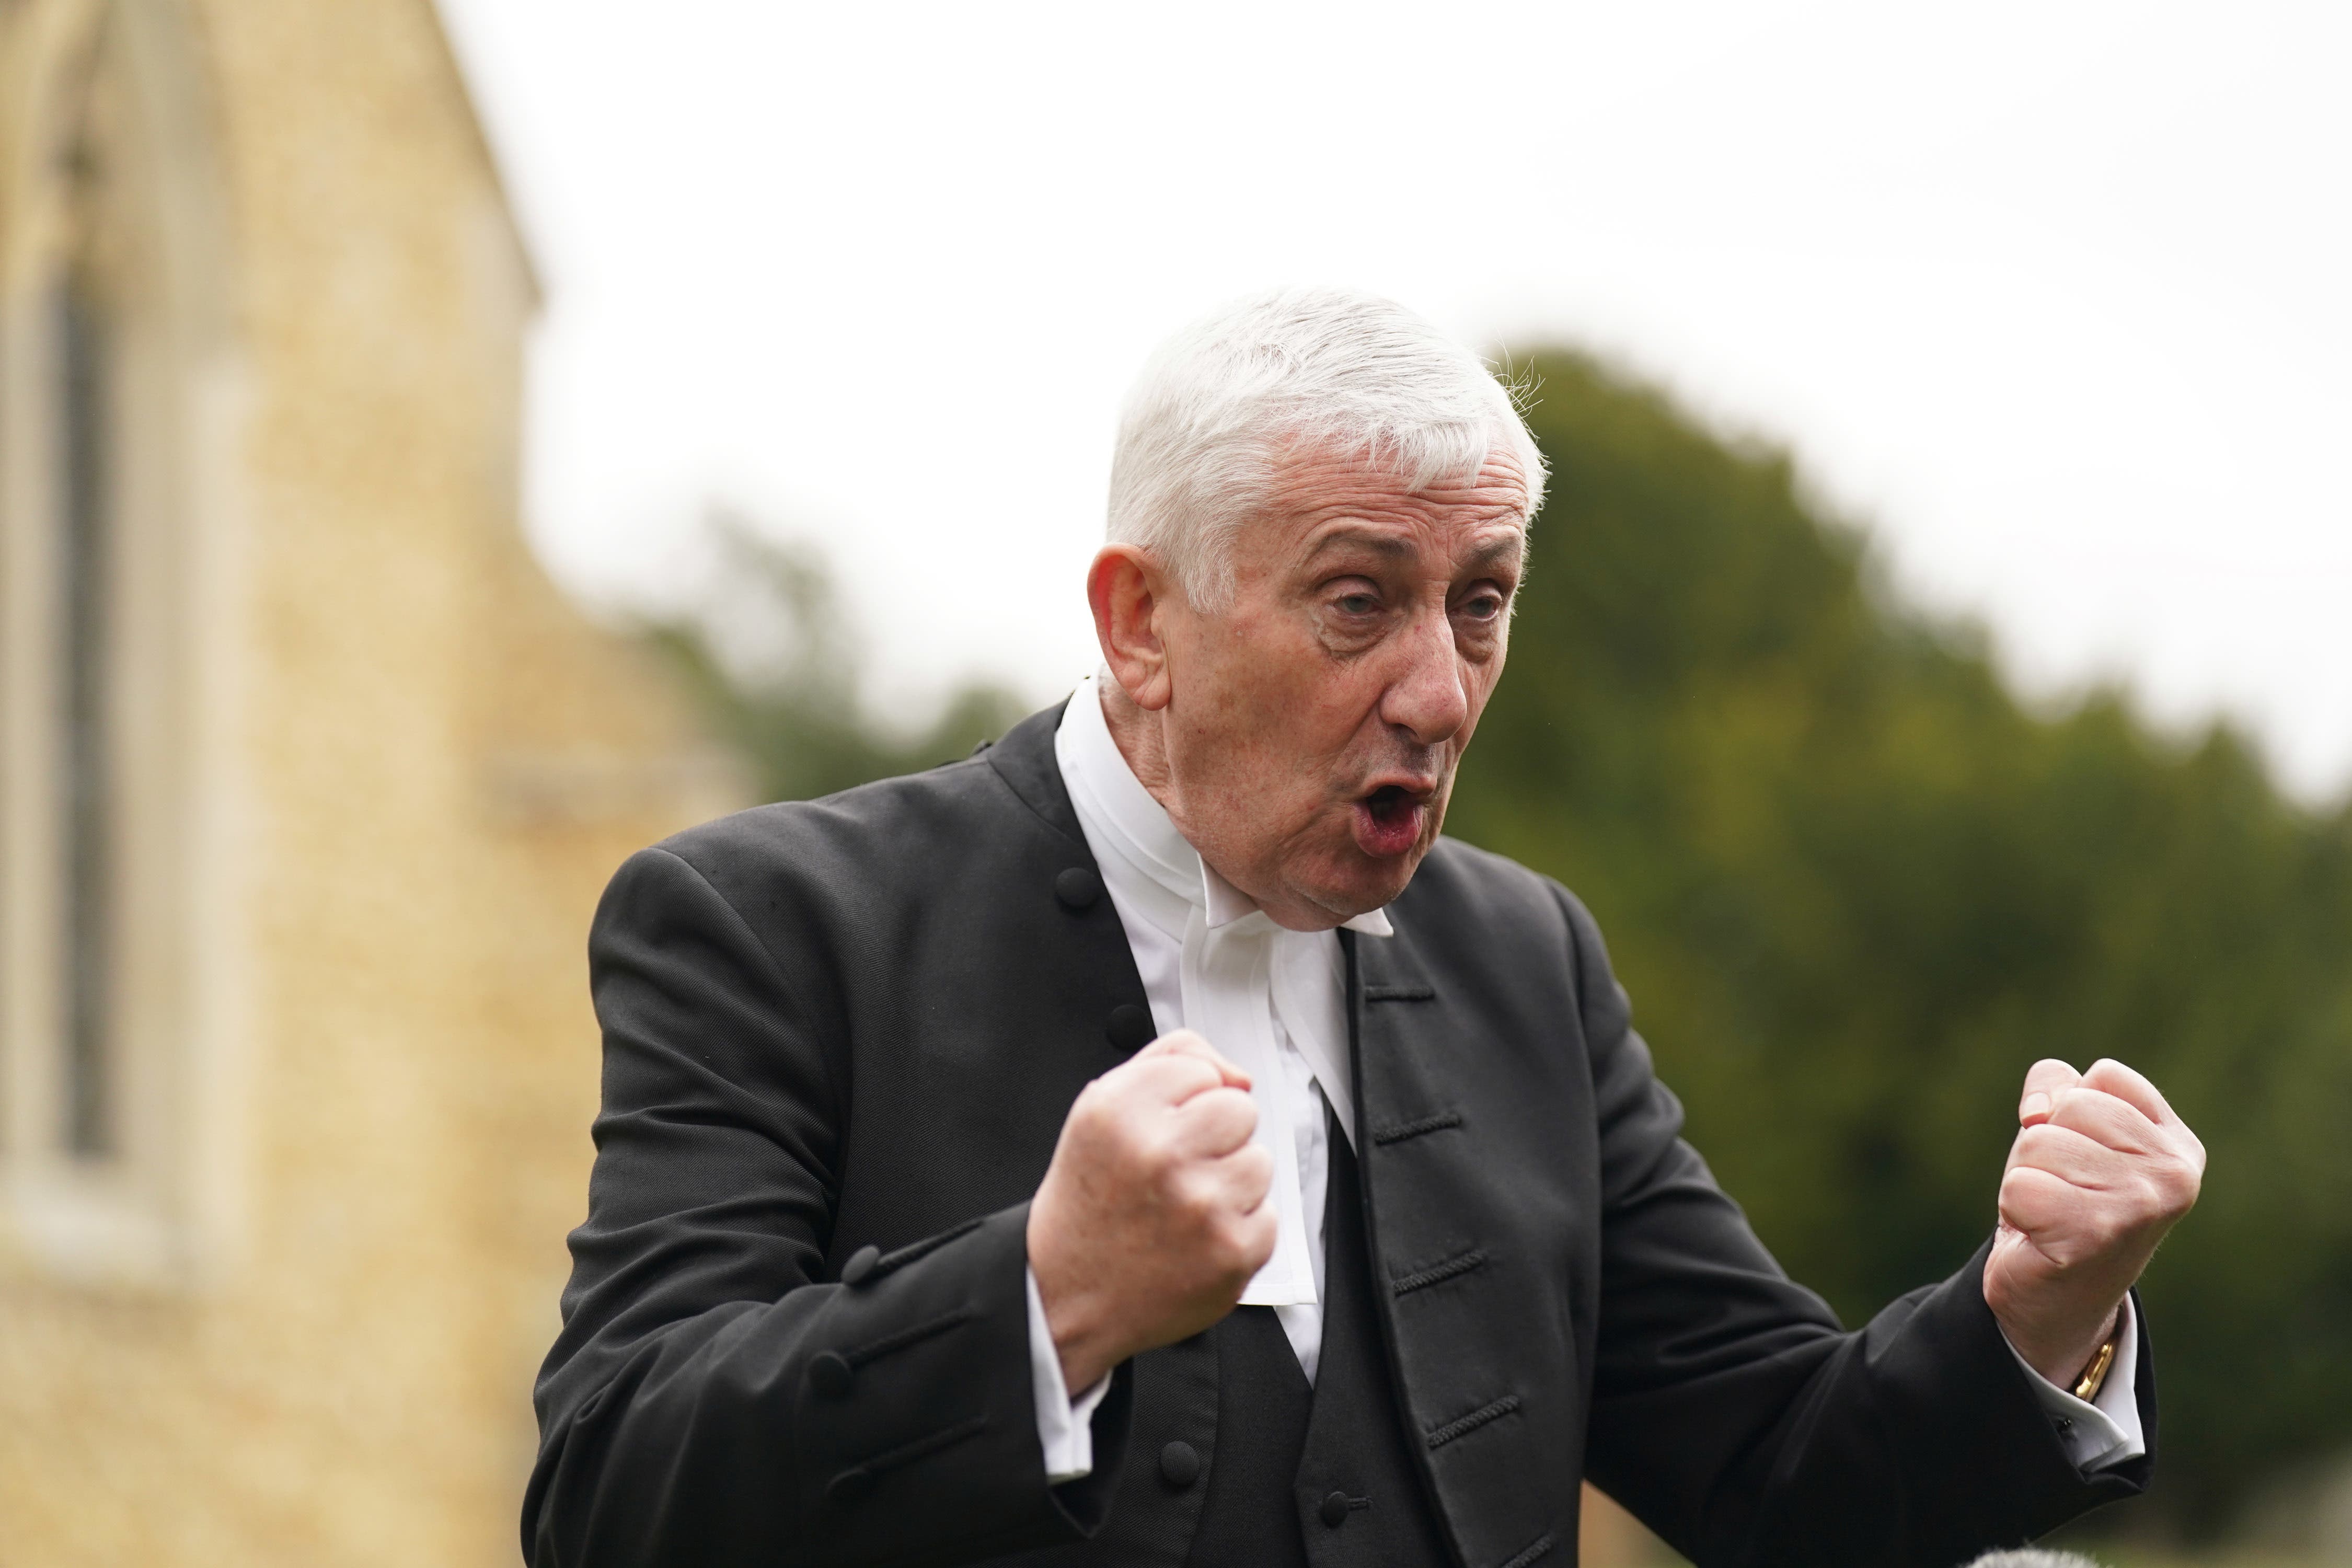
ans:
x=309 y=782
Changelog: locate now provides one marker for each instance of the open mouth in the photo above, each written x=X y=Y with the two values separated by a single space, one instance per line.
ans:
x=1390 y=820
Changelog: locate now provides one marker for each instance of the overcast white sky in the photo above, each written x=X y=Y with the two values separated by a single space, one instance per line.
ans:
x=2052 y=296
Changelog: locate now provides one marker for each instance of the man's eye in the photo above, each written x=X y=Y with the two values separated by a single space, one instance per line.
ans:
x=1485 y=607
x=1357 y=604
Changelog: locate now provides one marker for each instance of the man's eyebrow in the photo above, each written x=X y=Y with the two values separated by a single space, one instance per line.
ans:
x=1393 y=548
x=1385 y=544
x=1513 y=547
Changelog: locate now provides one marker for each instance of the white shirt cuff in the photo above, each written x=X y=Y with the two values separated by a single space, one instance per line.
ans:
x=2096 y=1434
x=1065 y=1425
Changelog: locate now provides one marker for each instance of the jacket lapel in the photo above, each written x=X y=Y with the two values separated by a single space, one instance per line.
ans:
x=1420 y=1180
x=1392 y=1015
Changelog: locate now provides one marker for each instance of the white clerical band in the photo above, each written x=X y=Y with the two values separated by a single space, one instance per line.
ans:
x=1228 y=997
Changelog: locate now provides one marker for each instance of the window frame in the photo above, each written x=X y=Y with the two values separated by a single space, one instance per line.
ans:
x=118 y=1115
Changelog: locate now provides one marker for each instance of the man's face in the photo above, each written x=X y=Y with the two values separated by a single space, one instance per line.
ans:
x=1312 y=728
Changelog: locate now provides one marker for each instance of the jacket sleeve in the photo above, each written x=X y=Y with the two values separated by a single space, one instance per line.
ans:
x=715 y=1397
x=1733 y=1416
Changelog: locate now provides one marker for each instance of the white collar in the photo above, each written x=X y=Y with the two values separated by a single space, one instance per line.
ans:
x=1165 y=873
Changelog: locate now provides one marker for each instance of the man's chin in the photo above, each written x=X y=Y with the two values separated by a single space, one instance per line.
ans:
x=1366 y=882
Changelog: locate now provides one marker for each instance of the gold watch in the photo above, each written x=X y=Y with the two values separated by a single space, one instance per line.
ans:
x=2095 y=1376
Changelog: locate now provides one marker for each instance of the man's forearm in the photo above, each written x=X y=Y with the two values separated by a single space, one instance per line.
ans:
x=752 y=1427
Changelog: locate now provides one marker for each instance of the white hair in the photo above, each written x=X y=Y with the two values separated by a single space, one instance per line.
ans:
x=1218 y=403
x=2031 y=1557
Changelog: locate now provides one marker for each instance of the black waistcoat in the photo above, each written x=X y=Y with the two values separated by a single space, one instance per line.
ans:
x=1319 y=1477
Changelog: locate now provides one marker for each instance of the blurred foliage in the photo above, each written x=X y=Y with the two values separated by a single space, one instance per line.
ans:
x=765 y=648
x=1855 y=888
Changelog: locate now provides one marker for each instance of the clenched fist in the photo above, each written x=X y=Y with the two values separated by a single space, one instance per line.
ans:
x=2100 y=1170
x=1153 y=1216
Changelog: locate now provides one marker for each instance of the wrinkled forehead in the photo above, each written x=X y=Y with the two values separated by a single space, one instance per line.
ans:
x=1309 y=484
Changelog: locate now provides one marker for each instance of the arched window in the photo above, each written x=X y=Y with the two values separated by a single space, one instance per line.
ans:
x=109 y=335
x=80 y=398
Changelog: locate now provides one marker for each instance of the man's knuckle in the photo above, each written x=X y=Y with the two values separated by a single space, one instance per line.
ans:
x=1200 y=1194
x=1233 y=1249
x=1189 y=1074
x=1141 y=1155
x=1246 y=1241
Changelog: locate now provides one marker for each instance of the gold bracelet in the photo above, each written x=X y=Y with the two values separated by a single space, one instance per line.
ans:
x=2087 y=1388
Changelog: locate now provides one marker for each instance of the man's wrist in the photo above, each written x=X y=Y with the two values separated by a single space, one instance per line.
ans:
x=2040 y=1323
x=1065 y=1417
x=2060 y=1361
x=1079 y=1343
x=2077 y=1357
x=1084 y=1363
x=2087 y=1383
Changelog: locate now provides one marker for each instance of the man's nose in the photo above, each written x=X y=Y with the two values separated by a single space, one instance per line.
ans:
x=1425 y=696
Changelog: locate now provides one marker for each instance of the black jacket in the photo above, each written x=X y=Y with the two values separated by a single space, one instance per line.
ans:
x=857 y=1024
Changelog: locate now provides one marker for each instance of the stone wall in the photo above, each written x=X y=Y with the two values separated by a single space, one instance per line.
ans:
x=427 y=766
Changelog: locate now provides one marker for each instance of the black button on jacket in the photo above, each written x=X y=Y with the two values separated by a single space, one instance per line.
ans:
x=840 y=1037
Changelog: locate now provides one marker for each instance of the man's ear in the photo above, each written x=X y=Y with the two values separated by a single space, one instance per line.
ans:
x=1127 y=592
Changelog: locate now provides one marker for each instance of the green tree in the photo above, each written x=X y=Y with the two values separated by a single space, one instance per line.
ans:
x=765 y=648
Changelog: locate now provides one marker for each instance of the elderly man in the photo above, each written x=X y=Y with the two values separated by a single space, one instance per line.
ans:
x=1149 y=1141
